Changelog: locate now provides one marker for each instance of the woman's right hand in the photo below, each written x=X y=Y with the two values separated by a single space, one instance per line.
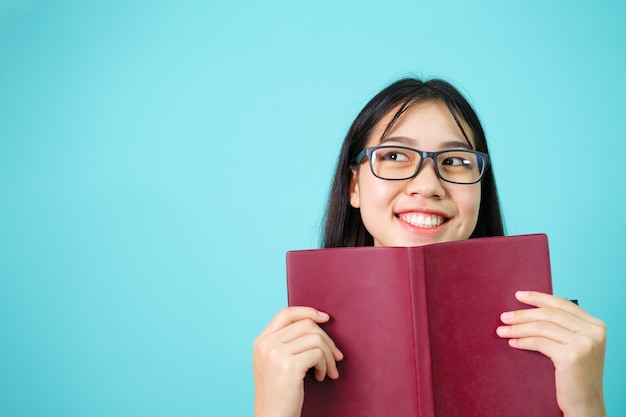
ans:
x=290 y=345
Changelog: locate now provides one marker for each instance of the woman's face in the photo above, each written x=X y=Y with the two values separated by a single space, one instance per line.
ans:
x=424 y=209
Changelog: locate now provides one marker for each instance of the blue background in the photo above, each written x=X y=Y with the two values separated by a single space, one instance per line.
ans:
x=157 y=160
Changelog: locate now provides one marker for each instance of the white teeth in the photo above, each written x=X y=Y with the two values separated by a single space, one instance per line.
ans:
x=422 y=220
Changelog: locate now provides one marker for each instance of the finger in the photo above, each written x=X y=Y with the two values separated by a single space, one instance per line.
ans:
x=552 y=323
x=563 y=355
x=305 y=327
x=561 y=345
x=314 y=358
x=312 y=351
x=542 y=329
x=548 y=347
x=556 y=316
x=539 y=299
x=315 y=340
x=319 y=352
x=290 y=315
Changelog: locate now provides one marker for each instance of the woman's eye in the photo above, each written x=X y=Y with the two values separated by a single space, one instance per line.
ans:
x=456 y=161
x=396 y=156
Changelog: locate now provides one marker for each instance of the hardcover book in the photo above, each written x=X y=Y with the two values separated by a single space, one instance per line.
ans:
x=417 y=326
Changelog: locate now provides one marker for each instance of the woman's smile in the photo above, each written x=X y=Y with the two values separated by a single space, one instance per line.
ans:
x=423 y=220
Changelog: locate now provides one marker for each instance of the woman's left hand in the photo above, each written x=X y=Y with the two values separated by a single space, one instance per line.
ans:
x=573 y=339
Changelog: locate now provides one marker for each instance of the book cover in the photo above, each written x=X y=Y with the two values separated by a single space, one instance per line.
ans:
x=417 y=327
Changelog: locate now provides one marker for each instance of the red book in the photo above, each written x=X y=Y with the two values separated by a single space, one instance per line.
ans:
x=417 y=326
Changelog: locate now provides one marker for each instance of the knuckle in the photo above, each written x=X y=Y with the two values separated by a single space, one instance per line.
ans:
x=259 y=344
x=551 y=313
x=586 y=346
x=601 y=330
x=535 y=343
x=286 y=367
x=318 y=355
x=579 y=353
x=541 y=327
x=570 y=357
x=285 y=311
x=274 y=355
x=317 y=339
x=306 y=325
x=597 y=333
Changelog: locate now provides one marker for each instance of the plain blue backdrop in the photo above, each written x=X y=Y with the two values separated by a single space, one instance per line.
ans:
x=158 y=158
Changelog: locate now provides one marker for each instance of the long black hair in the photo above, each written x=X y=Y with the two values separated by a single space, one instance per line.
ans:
x=343 y=224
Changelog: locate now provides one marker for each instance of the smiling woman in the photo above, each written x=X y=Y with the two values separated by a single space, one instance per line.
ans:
x=430 y=116
x=427 y=180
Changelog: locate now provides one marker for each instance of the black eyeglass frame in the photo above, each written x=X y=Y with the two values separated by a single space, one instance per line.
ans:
x=423 y=155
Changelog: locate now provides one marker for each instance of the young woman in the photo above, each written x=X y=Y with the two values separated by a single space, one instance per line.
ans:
x=414 y=170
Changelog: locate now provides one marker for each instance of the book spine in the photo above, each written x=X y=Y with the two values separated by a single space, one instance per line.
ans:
x=419 y=302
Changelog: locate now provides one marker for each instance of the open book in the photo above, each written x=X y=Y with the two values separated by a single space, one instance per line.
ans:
x=417 y=326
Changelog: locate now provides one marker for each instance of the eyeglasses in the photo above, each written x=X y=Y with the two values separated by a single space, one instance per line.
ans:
x=457 y=166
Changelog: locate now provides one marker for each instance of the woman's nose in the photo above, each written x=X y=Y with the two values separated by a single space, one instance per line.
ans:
x=426 y=183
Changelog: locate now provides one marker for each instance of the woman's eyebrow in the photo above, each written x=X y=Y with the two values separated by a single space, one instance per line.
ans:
x=456 y=144
x=451 y=144
x=402 y=139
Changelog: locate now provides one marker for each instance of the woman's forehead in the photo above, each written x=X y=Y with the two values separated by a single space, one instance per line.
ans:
x=422 y=120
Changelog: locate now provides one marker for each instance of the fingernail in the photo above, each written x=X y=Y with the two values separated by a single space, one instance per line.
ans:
x=503 y=329
x=507 y=316
x=323 y=315
x=522 y=294
x=338 y=354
